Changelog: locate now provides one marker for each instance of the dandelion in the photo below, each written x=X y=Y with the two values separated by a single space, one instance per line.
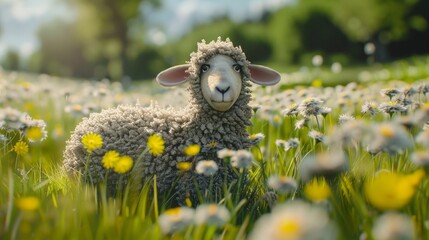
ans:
x=242 y=159
x=155 y=143
x=192 y=150
x=35 y=134
x=20 y=148
x=184 y=166
x=317 y=83
x=175 y=219
x=206 y=167
x=319 y=137
x=317 y=190
x=92 y=141
x=110 y=159
x=393 y=226
x=391 y=190
x=211 y=214
x=369 y=107
x=326 y=164
x=28 y=204
x=294 y=220
x=123 y=165
x=282 y=184
x=389 y=92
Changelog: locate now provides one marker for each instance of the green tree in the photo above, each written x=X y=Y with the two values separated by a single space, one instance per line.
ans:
x=11 y=60
x=103 y=27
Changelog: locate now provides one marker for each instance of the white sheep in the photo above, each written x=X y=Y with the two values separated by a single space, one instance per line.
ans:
x=215 y=118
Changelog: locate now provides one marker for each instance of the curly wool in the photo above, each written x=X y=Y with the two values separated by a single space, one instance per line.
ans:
x=126 y=129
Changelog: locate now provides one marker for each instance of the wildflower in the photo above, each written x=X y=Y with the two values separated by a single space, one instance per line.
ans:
x=184 y=166
x=317 y=60
x=301 y=123
x=423 y=138
x=29 y=203
x=369 y=107
x=349 y=133
x=420 y=158
x=123 y=165
x=389 y=92
x=291 y=143
x=257 y=137
x=391 y=190
x=92 y=141
x=282 y=184
x=192 y=150
x=290 y=110
x=317 y=190
x=211 y=214
x=317 y=83
x=336 y=67
x=224 y=153
x=35 y=134
x=391 y=226
x=155 y=143
x=345 y=118
x=389 y=137
x=20 y=148
x=319 y=137
x=206 y=167
x=310 y=106
x=175 y=219
x=326 y=164
x=294 y=220
x=242 y=159
x=110 y=159
x=391 y=108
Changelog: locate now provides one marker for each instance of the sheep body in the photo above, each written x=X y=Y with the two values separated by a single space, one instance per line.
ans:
x=126 y=129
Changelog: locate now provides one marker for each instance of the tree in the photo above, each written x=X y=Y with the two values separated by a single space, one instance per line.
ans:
x=11 y=60
x=103 y=28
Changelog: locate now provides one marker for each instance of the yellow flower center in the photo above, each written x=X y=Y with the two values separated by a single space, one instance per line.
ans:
x=212 y=209
x=386 y=131
x=288 y=228
x=34 y=134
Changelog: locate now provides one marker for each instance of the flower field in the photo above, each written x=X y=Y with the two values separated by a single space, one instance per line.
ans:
x=343 y=161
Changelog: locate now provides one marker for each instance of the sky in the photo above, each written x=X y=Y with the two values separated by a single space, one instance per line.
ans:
x=20 y=19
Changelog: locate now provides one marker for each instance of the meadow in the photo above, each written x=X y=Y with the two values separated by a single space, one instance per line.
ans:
x=336 y=159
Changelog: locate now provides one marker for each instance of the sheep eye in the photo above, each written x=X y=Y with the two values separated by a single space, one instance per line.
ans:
x=237 y=67
x=205 y=68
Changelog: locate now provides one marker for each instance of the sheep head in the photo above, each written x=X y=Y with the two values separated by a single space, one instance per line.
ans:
x=218 y=71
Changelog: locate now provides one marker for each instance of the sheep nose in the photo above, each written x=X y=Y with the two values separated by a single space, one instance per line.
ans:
x=222 y=90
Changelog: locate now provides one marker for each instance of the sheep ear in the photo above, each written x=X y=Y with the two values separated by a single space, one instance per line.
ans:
x=263 y=75
x=173 y=76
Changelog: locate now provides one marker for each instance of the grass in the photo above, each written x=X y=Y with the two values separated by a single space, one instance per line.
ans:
x=66 y=208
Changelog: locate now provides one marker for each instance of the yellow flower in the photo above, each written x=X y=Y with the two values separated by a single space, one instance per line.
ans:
x=21 y=148
x=184 y=166
x=27 y=203
x=317 y=83
x=123 y=165
x=317 y=190
x=35 y=134
x=188 y=202
x=155 y=143
x=110 y=159
x=391 y=190
x=192 y=150
x=92 y=141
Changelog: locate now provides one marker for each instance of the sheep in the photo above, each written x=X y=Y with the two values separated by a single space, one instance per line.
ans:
x=215 y=118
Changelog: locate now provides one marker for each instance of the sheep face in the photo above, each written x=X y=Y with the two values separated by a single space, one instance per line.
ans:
x=221 y=82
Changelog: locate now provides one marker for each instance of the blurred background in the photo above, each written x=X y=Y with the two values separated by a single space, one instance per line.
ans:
x=135 y=39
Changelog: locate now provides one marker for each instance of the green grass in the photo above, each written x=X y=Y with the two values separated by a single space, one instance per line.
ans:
x=71 y=209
